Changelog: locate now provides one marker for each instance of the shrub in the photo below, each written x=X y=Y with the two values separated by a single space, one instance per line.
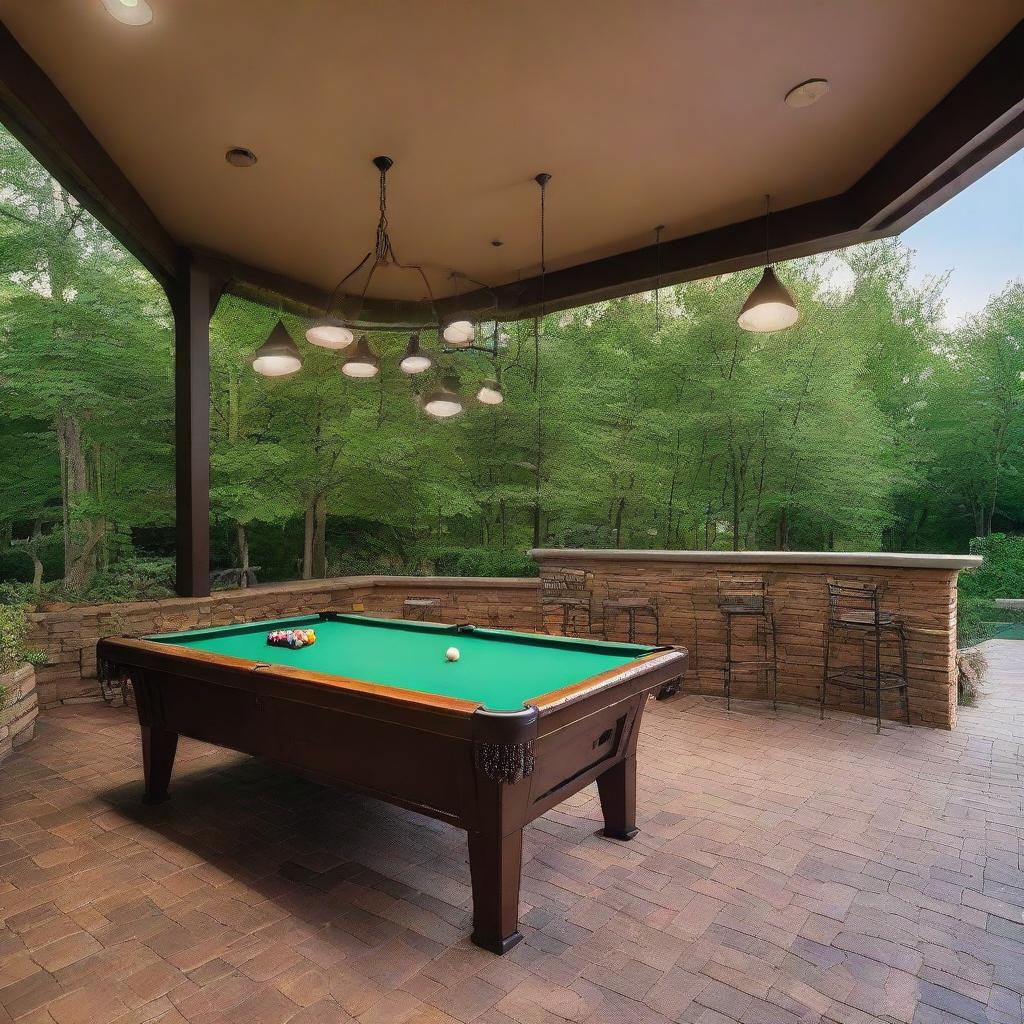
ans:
x=979 y=619
x=13 y=631
x=132 y=579
x=1002 y=572
x=483 y=562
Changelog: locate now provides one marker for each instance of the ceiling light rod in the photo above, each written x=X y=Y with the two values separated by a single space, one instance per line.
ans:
x=542 y=180
x=657 y=276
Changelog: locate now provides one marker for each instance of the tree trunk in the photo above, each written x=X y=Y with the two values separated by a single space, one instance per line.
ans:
x=243 y=554
x=320 y=537
x=37 y=562
x=618 y=522
x=735 y=510
x=74 y=484
x=782 y=531
x=307 y=545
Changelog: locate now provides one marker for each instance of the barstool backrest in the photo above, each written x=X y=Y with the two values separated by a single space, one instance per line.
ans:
x=742 y=593
x=854 y=602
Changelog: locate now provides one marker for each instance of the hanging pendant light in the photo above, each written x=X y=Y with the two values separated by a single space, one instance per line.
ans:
x=278 y=356
x=446 y=401
x=362 y=364
x=770 y=306
x=332 y=334
x=415 y=359
x=490 y=392
x=458 y=333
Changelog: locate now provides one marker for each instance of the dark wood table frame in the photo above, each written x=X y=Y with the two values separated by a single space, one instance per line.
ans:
x=487 y=772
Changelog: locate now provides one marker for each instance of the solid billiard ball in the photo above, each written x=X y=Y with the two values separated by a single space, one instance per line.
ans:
x=452 y=654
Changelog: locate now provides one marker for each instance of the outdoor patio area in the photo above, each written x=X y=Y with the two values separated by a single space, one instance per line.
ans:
x=786 y=869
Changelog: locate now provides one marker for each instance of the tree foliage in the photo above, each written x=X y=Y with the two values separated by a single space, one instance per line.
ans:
x=869 y=425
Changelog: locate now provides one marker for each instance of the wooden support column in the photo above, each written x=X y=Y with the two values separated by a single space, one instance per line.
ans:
x=194 y=298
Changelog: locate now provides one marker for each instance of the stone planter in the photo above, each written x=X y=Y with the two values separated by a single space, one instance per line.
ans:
x=19 y=708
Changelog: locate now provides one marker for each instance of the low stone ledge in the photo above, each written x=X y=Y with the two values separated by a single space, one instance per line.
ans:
x=838 y=558
x=68 y=633
x=19 y=710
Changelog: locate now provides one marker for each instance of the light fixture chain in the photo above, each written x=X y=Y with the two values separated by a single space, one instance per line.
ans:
x=383 y=242
x=542 y=180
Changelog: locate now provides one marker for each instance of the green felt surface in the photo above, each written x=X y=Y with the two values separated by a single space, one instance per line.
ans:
x=499 y=669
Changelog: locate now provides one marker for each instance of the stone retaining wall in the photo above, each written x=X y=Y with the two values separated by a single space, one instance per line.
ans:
x=68 y=634
x=920 y=590
x=18 y=709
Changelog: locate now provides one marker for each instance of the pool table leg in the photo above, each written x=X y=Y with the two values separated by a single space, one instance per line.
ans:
x=617 y=790
x=495 y=864
x=158 y=749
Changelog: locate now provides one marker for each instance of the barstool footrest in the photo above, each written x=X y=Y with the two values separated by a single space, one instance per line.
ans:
x=854 y=680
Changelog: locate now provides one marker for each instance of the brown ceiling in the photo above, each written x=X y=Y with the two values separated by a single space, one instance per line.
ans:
x=644 y=112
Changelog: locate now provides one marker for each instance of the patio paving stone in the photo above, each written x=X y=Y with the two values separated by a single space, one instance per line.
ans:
x=788 y=870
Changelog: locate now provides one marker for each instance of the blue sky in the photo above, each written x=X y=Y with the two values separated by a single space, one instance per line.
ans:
x=978 y=236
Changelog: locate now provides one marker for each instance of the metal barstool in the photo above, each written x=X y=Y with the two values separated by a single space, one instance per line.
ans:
x=855 y=611
x=576 y=602
x=632 y=605
x=744 y=598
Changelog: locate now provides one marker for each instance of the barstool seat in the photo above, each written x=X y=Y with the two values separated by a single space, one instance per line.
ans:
x=627 y=603
x=632 y=604
x=866 y=619
x=575 y=604
x=416 y=607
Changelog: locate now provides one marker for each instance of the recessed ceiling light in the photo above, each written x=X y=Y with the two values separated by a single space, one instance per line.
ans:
x=807 y=93
x=129 y=12
x=240 y=157
x=497 y=243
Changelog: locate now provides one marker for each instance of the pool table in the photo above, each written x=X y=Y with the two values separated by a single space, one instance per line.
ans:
x=487 y=742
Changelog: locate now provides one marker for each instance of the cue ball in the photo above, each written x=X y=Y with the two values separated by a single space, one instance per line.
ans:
x=452 y=654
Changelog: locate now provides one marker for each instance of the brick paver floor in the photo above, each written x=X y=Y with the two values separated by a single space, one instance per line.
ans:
x=787 y=870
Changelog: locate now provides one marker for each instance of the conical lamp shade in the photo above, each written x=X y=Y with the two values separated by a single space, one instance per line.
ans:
x=445 y=402
x=415 y=359
x=278 y=356
x=362 y=363
x=769 y=307
x=330 y=334
x=490 y=393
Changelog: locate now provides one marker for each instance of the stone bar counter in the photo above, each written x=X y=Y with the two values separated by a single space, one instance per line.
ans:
x=920 y=590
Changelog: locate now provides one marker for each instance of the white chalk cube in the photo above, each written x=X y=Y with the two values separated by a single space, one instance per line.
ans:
x=452 y=654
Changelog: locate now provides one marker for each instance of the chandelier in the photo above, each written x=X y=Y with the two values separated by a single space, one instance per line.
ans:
x=279 y=356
